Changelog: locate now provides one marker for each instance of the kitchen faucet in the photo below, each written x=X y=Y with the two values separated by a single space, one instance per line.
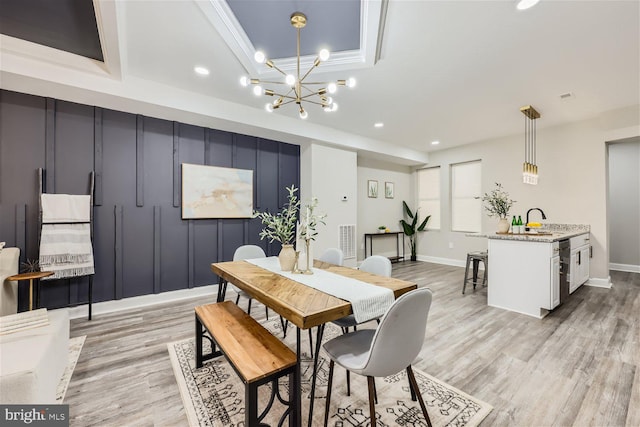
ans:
x=535 y=209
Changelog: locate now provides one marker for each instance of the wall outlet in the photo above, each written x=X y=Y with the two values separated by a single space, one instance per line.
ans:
x=450 y=245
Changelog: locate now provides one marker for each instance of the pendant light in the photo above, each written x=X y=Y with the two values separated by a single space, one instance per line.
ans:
x=530 y=167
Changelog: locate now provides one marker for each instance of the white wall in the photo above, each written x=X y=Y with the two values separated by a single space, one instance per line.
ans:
x=329 y=174
x=373 y=212
x=572 y=186
x=624 y=205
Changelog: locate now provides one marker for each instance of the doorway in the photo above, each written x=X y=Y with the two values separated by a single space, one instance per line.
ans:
x=624 y=204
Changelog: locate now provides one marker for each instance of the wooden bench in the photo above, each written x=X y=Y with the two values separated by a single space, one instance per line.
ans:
x=254 y=353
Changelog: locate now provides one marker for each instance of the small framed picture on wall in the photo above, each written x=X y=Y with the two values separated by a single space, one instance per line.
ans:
x=388 y=190
x=372 y=188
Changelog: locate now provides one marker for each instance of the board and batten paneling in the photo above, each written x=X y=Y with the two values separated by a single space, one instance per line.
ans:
x=141 y=244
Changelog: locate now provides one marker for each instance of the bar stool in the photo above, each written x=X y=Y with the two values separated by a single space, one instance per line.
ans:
x=476 y=257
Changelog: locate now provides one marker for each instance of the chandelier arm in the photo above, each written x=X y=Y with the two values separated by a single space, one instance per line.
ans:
x=271 y=82
x=284 y=96
x=316 y=83
x=314 y=102
x=288 y=102
x=313 y=67
x=306 y=97
x=274 y=66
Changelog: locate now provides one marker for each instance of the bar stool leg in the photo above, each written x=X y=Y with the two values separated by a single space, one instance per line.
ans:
x=486 y=271
x=466 y=273
x=476 y=264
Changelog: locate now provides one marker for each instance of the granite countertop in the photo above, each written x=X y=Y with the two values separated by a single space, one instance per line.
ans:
x=559 y=232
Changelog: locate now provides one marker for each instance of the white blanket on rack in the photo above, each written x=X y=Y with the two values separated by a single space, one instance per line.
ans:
x=66 y=250
x=65 y=208
x=367 y=301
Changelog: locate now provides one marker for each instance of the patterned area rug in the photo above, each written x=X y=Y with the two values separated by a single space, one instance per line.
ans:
x=214 y=396
x=75 y=347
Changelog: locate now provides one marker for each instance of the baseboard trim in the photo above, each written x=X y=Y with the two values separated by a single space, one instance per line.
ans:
x=106 y=307
x=444 y=261
x=629 y=268
x=600 y=283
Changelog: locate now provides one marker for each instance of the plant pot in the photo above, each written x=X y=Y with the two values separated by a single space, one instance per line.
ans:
x=381 y=231
x=287 y=258
x=414 y=257
x=503 y=225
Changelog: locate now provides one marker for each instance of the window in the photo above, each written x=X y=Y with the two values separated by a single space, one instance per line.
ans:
x=466 y=205
x=429 y=196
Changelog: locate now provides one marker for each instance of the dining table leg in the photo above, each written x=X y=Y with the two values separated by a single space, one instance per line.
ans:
x=296 y=390
x=222 y=290
x=315 y=371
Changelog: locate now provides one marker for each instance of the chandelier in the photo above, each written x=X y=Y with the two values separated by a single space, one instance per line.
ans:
x=295 y=89
x=529 y=167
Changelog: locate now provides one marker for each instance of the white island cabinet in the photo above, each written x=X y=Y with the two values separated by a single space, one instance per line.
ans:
x=580 y=261
x=528 y=273
x=524 y=276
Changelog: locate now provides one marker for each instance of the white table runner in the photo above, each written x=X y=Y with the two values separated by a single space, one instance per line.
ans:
x=368 y=301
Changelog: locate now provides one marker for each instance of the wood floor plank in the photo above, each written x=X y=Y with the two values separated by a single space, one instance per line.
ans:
x=578 y=366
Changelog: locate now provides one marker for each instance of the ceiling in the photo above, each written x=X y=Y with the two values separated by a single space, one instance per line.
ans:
x=452 y=71
x=68 y=25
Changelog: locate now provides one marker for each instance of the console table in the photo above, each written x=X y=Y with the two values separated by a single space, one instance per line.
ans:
x=397 y=234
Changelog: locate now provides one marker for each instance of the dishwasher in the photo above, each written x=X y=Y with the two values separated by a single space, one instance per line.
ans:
x=564 y=247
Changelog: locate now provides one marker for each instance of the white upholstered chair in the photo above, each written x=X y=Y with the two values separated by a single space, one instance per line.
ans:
x=332 y=256
x=375 y=264
x=387 y=350
x=242 y=253
x=9 y=262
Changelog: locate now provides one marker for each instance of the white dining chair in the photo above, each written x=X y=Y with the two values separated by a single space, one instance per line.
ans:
x=375 y=264
x=332 y=256
x=242 y=253
x=386 y=350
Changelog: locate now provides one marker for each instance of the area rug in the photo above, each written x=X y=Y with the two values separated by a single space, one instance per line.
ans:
x=75 y=347
x=214 y=395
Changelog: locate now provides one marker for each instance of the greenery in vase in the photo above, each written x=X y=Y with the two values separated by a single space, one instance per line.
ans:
x=497 y=203
x=281 y=227
x=411 y=228
x=311 y=220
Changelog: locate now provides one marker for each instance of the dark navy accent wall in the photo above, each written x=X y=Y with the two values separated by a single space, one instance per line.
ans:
x=141 y=244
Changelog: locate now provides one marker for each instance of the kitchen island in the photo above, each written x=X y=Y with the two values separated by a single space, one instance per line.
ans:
x=533 y=273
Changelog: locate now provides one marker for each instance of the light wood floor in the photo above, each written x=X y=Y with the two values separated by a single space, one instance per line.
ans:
x=578 y=366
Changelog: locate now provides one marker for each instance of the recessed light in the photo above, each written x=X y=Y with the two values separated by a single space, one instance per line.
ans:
x=379 y=125
x=435 y=142
x=526 y=4
x=201 y=70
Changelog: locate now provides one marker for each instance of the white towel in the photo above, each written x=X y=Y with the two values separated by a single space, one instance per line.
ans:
x=66 y=250
x=65 y=208
x=367 y=301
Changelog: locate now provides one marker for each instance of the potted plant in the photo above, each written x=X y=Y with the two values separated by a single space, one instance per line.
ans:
x=382 y=229
x=281 y=227
x=498 y=204
x=411 y=228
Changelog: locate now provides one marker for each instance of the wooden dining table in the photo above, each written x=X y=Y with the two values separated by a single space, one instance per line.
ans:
x=301 y=305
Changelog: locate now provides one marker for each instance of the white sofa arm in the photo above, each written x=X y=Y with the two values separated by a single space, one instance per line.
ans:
x=9 y=260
